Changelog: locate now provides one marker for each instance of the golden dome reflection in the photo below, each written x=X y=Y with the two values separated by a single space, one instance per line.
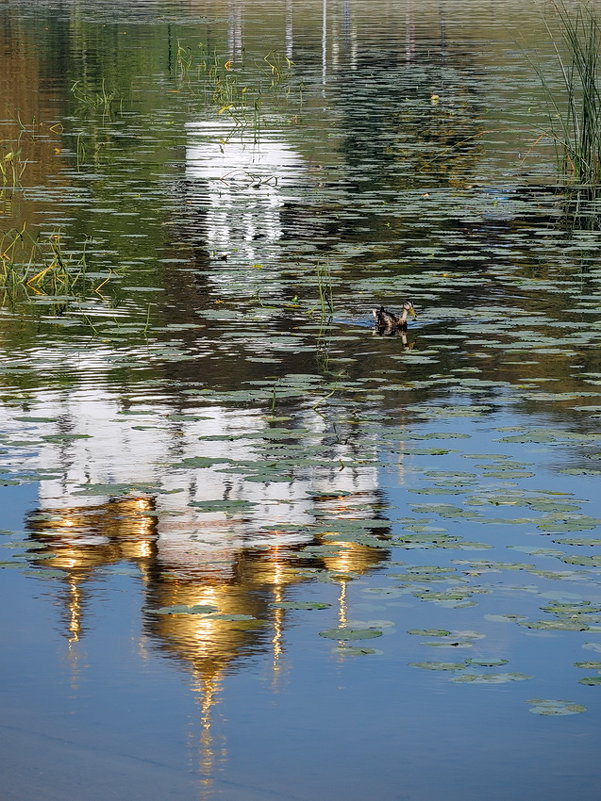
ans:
x=79 y=540
x=211 y=605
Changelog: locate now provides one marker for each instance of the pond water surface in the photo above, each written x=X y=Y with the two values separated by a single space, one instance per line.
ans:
x=253 y=550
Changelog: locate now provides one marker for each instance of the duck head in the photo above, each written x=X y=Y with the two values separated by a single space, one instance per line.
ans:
x=408 y=308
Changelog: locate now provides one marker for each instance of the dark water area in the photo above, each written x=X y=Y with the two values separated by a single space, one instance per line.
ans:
x=252 y=548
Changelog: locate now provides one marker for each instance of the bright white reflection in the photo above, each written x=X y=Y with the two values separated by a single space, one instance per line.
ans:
x=240 y=178
x=113 y=452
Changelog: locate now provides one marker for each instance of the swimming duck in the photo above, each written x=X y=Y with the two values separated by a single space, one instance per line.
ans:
x=388 y=322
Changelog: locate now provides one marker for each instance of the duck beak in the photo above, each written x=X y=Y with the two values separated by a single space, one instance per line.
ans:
x=412 y=312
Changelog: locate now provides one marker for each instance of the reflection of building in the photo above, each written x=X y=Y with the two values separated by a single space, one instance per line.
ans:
x=78 y=540
x=200 y=470
x=239 y=178
x=237 y=616
x=235 y=44
x=239 y=552
x=330 y=22
x=198 y=536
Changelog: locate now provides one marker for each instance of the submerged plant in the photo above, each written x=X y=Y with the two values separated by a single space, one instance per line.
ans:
x=324 y=288
x=576 y=115
x=90 y=101
x=40 y=265
x=12 y=166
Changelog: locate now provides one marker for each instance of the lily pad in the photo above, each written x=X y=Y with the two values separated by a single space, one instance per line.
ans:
x=591 y=681
x=222 y=505
x=350 y=650
x=64 y=437
x=491 y=678
x=548 y=706
x=430 y=632
x=345 y=633
x=182 y=609
x=203 y=461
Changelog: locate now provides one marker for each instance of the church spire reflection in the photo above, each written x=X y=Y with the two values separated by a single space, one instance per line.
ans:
x=211 y=620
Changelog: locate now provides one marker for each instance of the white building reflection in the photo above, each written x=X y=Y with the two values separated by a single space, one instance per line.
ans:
x=98 y=450
x=337 y=29
x=240 y=178
x=235 y=562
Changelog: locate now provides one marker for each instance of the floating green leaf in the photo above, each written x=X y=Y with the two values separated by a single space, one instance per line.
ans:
x=182 y=609
x=349 y=650
x=222 y=505
x=451 y=666
x=492 y=662
x=549 y=706
x=429 y=632
x=345 y=633
x=491 y=678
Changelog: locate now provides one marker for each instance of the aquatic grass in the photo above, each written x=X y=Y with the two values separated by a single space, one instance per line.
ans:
x=234 y=89
x=147 y=322
x=183 y=60
x=575 y=116
x=8 y=168
x=278 y=63
x=89 y=101
x=40 y=264
x=12 y=166
x=80 y=150
x=325 y=291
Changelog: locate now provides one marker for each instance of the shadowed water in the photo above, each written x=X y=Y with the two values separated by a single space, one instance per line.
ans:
x=252 y=549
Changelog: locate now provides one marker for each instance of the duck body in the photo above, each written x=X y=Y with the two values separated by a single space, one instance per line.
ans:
x=388 y=322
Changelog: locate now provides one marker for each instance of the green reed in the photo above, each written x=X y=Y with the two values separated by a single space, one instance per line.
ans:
x=147 y=322
x=279 y=66
x=183 y=61
x=12 y=166
x=325 y=290
x=576 y=113
x=103 y=101
x=234 y=89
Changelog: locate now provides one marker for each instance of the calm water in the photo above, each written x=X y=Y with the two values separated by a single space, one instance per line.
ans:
x=252 y=550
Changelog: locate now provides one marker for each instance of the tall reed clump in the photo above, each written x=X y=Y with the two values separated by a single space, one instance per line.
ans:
x=576 y=113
